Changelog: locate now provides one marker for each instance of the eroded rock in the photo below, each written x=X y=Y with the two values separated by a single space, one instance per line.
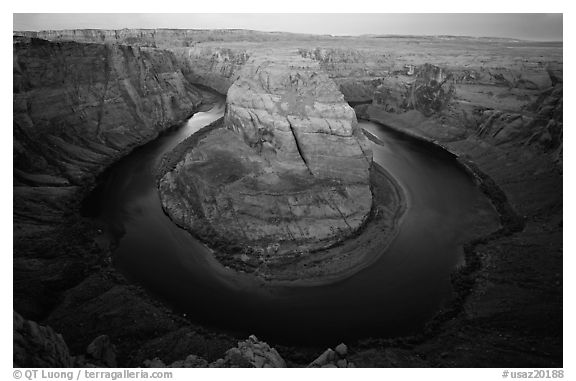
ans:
x=38 y=346
x=256 y=353
x=333 y=358
x=289 y=174
x=103 y=351
x=250 y=353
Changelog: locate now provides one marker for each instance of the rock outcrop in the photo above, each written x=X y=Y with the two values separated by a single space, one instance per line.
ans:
x=36 y=346
x=213 y=67
x=333 y=358
x=289 y=174
x=429 y=91
x=251 y=353
x=290 y=110
x=78 y=107
x=102 y=351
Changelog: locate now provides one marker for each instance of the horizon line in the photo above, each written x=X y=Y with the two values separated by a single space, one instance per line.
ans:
x=370 y=35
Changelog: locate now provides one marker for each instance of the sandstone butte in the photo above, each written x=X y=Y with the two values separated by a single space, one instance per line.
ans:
x=289 y=172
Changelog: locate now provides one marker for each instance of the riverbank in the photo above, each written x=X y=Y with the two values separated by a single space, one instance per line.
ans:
x=508 y=304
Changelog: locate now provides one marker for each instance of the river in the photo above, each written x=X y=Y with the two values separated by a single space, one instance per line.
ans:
x=394 y=296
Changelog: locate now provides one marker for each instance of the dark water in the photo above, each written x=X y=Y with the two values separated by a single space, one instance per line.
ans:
x=394 y=296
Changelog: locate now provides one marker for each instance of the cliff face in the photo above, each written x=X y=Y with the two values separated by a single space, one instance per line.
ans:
x=163 y=38
x=289 y=174
x=189 y=50
x=508 y=126
x=357 y=72
x=213 y=67
x=77 y=108
x=292 y=111
x=502 y=90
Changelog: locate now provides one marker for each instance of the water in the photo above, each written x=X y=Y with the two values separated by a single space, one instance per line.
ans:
x=394 y=296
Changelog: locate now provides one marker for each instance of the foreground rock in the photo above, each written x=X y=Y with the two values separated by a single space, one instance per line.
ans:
x=38 y=346
x=251 y=353
x=333 y=358
x=289 y=173
x=41 y=347
x=103 y=351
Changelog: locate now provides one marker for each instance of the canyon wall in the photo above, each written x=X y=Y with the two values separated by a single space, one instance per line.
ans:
x=163 y=38
x=213 y=67
x=508 y=91
x=200 y=62
x=78 y=108
x=496 y=104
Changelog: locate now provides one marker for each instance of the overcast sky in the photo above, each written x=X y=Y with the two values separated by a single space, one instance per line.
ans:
x=533 y=26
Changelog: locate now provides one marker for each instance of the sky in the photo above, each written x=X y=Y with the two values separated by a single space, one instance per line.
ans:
x=527 y=26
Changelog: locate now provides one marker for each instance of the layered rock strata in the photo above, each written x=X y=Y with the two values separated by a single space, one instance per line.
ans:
x=290 y=172
x=213 y=67
x=513 y=315
x=77 y=108
x=162 y=38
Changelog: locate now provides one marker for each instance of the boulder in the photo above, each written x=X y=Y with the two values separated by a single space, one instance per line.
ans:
x=341 y=349
x=251 y=353
x=333 y=358
x=103 y=351
x=324 y=359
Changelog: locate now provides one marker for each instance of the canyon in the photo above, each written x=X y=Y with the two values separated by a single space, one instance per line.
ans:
x=286 y=176
x=83 y=99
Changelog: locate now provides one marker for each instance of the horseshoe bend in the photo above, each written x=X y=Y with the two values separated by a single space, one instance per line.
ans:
x=224 y=198
x=285 y=177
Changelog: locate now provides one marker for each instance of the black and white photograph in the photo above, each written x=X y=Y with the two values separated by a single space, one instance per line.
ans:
x=286 y=190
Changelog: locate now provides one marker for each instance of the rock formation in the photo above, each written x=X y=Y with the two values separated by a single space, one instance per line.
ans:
x=288 y=175
x=251 y=353
x=102 y=351
x=37 y=346
x=505 y=117
x=213 y=67
x=333 y=358
x=165 y=37
x=78 y=108
x=429 y=91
